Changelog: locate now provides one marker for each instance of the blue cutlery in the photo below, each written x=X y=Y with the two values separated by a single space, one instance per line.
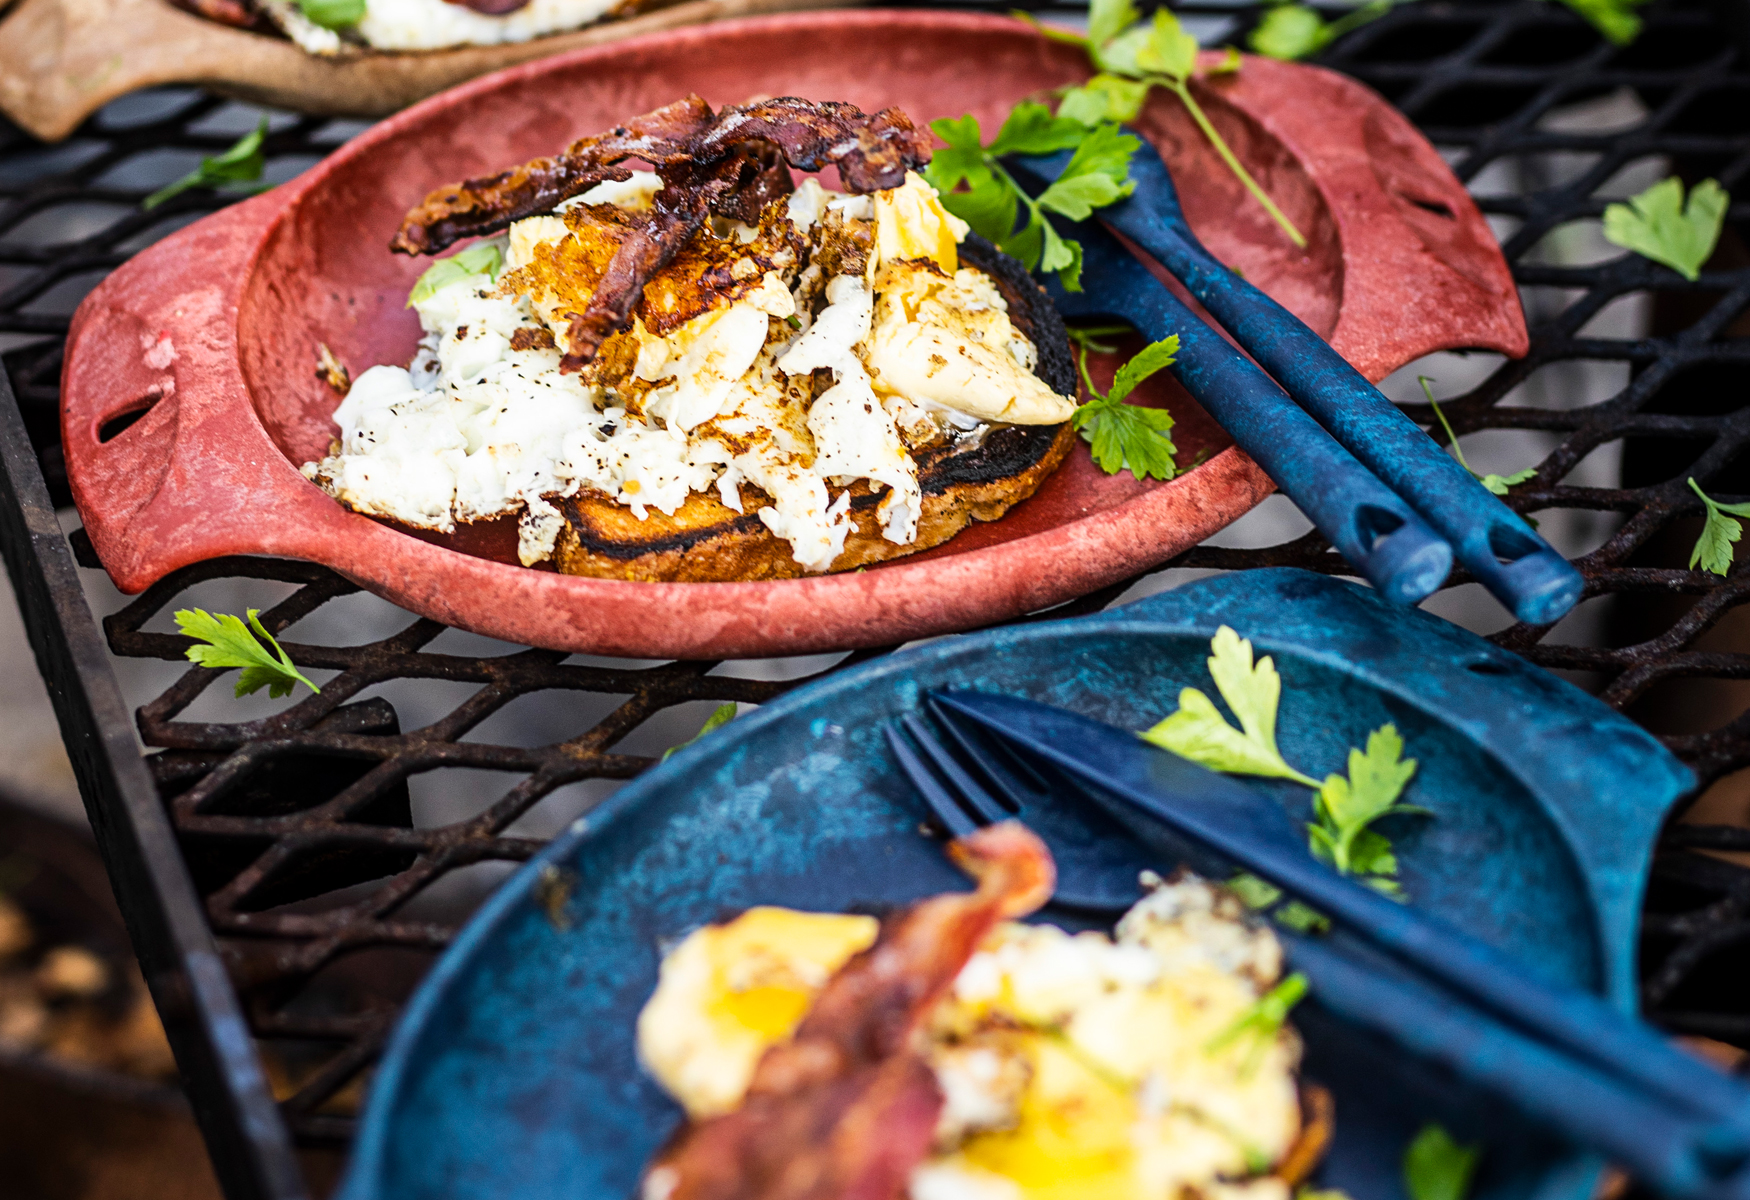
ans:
x=1603 y=1079
x=1492 y=541
x=1371 y=527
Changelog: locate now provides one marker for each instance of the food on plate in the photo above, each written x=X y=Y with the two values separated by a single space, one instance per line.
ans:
x=703 y=373
x=953 y=1053
x=339 y=28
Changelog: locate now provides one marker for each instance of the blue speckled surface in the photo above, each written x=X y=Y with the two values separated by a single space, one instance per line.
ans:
x=513 y=1072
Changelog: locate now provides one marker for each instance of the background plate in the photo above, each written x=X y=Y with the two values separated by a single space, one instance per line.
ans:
x=513 y=1072
x=208 y=340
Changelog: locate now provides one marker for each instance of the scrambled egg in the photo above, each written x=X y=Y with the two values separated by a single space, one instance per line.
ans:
x=819 y=347
x=1071 y=1065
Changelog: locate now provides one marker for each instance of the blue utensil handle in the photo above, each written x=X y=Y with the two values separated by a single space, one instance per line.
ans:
x=1146 y=788
x=1659 y=1145
x=1371 y=527
x=1492 y=541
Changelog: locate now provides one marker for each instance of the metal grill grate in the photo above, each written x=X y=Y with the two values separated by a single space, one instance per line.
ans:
x=303 y=830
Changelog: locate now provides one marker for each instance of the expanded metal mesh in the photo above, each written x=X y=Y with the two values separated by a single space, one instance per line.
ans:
x=301 y=826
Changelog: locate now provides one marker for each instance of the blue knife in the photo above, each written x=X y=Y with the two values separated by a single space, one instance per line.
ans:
x=1492 y=541
x=1371 y=527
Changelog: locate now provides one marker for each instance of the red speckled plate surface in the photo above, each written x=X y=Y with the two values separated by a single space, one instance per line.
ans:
x=213 y=332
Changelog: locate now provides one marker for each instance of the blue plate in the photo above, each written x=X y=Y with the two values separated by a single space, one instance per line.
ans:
x=513 y=1072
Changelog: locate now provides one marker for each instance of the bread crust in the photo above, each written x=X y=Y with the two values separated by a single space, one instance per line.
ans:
x=705 y=541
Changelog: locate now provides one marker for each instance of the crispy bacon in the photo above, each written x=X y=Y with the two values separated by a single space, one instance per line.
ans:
x=491 y=8
x=732 y=163
x=871 y=152
x=846 y=1108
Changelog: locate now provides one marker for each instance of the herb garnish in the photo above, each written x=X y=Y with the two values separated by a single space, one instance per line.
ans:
x=1294 y=31
x=1713 y=549
x=1498 y=484
x=1124 y=436
x=722 y=715
x=1097 y=175
x=1200 y=733
x=231 y=643
x=1260 y=1023
x=235 y=170
x=1344 y=808
x=1436 y=1167
x=1615 y=19
x=332 y=14
x=483 y=258
x=1659 y=225
x=1127 y=51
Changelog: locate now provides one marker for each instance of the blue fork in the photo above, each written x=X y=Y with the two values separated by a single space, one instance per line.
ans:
x=1492 y=541
x=1684 y=1150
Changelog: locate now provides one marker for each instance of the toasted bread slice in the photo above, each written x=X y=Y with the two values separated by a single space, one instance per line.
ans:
x=978 y=478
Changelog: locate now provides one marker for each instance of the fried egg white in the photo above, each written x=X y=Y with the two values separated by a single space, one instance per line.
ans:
x=1072 y=1065
x=721 y=393
x=727 y=992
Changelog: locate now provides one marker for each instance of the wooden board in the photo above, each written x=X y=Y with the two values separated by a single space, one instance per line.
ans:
x=62 y=60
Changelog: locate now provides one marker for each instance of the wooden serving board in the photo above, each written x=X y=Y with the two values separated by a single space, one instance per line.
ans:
x=210 y=337
x=62 y=60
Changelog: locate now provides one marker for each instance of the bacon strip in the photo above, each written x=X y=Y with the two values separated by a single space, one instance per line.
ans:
x=871 y=152
x=846 y=1108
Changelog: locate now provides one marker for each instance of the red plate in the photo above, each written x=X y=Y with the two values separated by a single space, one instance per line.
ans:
x=213 y=332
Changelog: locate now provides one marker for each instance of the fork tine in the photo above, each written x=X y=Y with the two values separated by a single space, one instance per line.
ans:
x=940 y=800
x=979 y=802
x=1011 y=776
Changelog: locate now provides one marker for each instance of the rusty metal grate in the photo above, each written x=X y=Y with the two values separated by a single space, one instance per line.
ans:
x=301 y=829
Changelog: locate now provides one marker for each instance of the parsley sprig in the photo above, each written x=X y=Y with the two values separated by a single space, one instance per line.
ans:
x=1200 y=733
x=483 y=258
x=1659 y=224
x=1259 y=1024
x=224 y=641
x=1436 y=1167
x=1713 y=549
x=976 y=188
x=333 y=14
x=720 y=716
x=1617 y=20
x=1344 y=807
x=1295 y=31
x=235 y=170
x=1121 y=435
x=1498 y=484
x=1130 y=56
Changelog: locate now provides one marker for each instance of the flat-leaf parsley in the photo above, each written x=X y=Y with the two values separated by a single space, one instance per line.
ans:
x=1658 y=224
x=228 y=642
x=1124 y=436
x=235 y=170
x=1713 y=549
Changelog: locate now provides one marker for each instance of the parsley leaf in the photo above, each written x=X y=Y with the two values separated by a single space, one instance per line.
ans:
x=1198 y=731
x=1615 y=19
x=1659 y=225
x=1260 y=1024
x=1713 y=549
x=482 y=259
x=1436 y=1167
x=1344 y=808
x=234 y=170
x=1126 y=436
x=332 y=14
x=975 y=187
x=1153 y=53
x=231 y=643
x=1292 y=31
x=722 y=715
x=1256 y=894
x=1498 y=484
